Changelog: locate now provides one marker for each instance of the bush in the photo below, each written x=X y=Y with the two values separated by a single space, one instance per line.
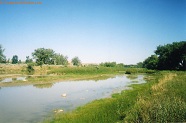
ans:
x=108 y=64
x=127 y=72
x=30 y=68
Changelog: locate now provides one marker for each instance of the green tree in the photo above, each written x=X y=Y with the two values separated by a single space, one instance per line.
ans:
x=15 y=59
x=108 y=64
x=2 y=56
x=151 y=62
x=76 y=61
x=172 y=56
x=139 y=65
x=43 y=56
x=120 y=65
x=59 y=59
x=19 y=61
x=28 y=60
x=30 y=68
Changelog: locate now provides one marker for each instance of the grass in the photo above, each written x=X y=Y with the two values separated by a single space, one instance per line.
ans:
x=86 y=70
x=161 y=99
x=12 y=68
x=55 y=73
x=165 y=103
x=6 y=69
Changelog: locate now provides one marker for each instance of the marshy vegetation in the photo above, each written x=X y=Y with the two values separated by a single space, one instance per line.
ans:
x=53 y=73
x=161 y=99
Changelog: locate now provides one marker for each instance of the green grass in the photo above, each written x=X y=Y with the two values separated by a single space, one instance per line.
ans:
x=56 y=73
x=163 y=102
x=161 y=99
x=62 y=70
x=85 y=70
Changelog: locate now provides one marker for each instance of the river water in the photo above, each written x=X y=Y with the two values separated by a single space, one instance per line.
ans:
x=33 y=103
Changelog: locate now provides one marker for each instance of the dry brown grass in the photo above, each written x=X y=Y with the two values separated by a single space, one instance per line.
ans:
x=160 y=86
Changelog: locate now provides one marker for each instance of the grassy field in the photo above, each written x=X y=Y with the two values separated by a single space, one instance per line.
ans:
x=161 y=99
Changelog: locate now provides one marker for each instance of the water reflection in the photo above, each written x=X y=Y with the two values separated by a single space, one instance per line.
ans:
x=7 y=80
x=37 y=76
x=132 y=77
x=27 y=104
x=45 y=85
x=13 y=79
x=21 y=78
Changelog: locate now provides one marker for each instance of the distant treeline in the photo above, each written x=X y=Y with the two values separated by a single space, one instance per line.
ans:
x=41 y=56
x=166 y=57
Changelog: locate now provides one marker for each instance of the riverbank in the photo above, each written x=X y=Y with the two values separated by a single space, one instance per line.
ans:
x=46 y=79
x=54 y=73
x=161 y=99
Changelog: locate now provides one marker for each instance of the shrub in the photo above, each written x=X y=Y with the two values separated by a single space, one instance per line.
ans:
x=30 y=68
x=127 y=72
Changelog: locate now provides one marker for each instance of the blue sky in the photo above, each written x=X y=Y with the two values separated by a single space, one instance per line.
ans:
x=125 y=31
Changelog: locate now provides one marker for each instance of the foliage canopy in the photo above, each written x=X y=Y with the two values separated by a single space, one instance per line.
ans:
x=59 y=59
x=76 y=61
x=43 y=56
x=28 y=60
x=108 y=64
x=15 y=59
x=151 y=62
x=48 y=56
x=2 y=56
x=172 y=56
x=168 y=57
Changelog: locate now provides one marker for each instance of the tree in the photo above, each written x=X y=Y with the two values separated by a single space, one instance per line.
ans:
x=28 y=60
x=43 y=56
x=30 y=68
x=15 y=59
x=59 y=59
x=120 y=65
x=172 y=56
x=151 y=62
x=19 y=61
x=2 y=56
x=139 y=65
x=76 y=61
x=108 y=64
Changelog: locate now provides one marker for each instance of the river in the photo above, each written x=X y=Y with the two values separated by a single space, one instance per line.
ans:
x=33 y=103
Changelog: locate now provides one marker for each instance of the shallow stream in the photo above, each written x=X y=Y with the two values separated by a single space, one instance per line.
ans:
x=33 y=103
